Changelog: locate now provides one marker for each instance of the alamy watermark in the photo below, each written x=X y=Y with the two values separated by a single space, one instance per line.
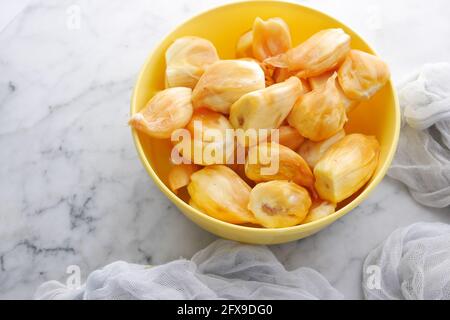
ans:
x=73 y=20
x=373 y=280
x=214 y=146
x=73 y=281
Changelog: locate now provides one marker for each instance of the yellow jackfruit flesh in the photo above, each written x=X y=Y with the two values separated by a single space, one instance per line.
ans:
x=167 y=111
x=268 y=70
x=266 y=108
x=270 y=38
x=282 y=74
x=180 y=176
x=319 y=81
x=346 y=167
x=244 y=46
x=194 y=205
x=319 y=210
x=224 y=82
x=209 y=143
x=279 y=204
x=186 y=60
x=289 y=137
x=312 y=151
x=272 y=161
x=222 y=194
x=319 y=114
x=362 y=75
x=322 y=52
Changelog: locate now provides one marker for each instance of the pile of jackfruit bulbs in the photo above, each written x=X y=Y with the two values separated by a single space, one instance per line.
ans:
x=304 y=91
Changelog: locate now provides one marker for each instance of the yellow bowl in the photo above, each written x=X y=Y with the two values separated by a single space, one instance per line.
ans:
x=223 y=26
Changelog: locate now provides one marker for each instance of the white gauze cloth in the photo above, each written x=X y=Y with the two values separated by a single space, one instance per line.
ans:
x=223 y=270
x=413 y=262
x=422 y=161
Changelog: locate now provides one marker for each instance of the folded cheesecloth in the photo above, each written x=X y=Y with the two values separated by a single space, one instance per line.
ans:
x=223 y=270
x=412 y=263
x=422 y=161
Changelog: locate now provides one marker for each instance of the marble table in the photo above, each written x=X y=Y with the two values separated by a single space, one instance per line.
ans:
x=72 y=190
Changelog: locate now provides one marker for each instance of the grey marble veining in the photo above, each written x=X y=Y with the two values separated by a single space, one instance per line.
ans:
x=72 y=190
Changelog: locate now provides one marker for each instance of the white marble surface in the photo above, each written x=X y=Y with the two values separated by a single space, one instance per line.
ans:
x=72 y=190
